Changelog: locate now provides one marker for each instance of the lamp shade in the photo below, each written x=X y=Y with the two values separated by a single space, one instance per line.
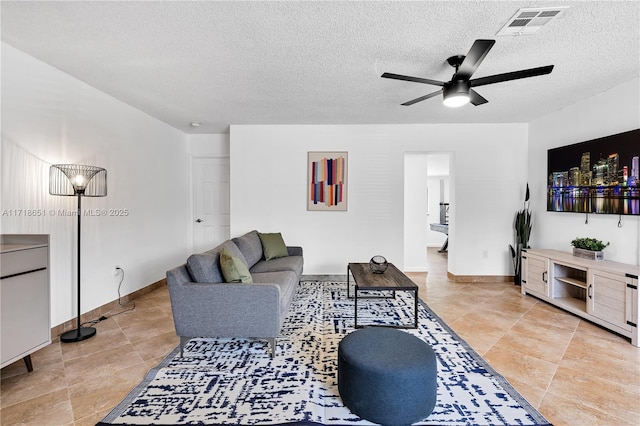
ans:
x=75 y=179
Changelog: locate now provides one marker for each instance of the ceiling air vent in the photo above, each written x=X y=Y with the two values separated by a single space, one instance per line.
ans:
x=530 y=20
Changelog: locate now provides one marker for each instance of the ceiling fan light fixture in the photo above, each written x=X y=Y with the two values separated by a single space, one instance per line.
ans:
x=455 y=101
x=456 y=94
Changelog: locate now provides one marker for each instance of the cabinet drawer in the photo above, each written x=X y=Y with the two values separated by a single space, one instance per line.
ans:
x=15 y=262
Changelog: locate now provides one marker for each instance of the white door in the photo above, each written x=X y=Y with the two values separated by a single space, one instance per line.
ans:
x=415 y=211
x=210 y=184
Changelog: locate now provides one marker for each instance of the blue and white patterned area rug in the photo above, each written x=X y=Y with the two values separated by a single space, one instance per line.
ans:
x=234 y=381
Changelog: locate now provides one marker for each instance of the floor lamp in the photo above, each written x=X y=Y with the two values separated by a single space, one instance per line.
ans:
x=81 y=181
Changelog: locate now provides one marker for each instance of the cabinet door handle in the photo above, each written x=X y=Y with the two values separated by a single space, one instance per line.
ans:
x=544 y=276
x=589 y=292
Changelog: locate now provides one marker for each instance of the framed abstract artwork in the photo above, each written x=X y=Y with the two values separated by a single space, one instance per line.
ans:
x=327 y=181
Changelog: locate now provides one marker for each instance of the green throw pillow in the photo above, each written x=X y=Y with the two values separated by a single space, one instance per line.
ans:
x=233 y=269
x=273 y=246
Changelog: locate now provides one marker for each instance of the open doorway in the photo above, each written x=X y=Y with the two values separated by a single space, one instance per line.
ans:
x=426 y=202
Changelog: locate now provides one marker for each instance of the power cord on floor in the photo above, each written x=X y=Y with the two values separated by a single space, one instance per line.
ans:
x=132 y=303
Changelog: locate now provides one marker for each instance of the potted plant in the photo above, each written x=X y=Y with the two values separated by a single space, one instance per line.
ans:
x=522 y=227
x=588 y=248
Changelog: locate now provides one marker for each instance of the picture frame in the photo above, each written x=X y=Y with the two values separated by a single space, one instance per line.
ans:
x=327 y=179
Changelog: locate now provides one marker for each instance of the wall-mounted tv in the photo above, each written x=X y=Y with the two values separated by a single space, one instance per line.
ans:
x=596 y=176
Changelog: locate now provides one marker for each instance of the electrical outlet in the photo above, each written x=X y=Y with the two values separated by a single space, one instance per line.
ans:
x=116 y=270
x=485 y=254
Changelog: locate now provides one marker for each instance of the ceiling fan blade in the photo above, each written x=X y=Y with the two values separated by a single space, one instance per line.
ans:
x=413 y=79
x=474 y=58
x=422 y=98
x=475 y=98
x=498 y=78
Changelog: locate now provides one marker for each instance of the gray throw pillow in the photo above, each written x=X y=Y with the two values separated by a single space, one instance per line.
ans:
x=205 y=268
x=250 y=246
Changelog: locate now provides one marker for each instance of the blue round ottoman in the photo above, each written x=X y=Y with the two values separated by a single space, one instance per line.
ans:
x=387 y=376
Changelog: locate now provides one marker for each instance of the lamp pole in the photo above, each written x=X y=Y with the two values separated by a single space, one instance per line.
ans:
x=79 y=333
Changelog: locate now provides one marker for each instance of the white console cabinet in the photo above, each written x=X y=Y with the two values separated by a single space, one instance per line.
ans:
x=602 y=292
x=25 y=324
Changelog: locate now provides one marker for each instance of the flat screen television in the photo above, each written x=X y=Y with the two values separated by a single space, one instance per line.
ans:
x=596 y=176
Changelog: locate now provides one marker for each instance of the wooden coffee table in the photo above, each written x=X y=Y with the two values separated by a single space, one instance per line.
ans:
x=391 y=280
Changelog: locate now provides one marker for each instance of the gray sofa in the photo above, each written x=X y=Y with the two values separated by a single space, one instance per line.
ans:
x=204 y=305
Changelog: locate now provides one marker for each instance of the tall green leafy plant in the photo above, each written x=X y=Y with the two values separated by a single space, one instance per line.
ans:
x=522 y=228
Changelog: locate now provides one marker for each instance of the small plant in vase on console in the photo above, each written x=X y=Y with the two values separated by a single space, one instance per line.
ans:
x=588 y=248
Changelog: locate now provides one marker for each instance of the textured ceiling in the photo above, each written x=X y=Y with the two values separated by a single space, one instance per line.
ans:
x=223 y=63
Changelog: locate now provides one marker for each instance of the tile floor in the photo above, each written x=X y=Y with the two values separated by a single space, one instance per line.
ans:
x=574 y=372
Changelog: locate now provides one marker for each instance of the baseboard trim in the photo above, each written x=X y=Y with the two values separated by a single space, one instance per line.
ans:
x=324 y=277
x=480 y=278
x=104 y=309
x=455 y=278
x=416 y=269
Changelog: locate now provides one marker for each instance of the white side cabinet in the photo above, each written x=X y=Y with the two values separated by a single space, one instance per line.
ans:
x=602 y=292
x=25 y=324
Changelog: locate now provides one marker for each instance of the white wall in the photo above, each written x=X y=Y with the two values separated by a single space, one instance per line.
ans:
x=611 y=112
x=213 y=145
x=268 y=190
x=50 y=117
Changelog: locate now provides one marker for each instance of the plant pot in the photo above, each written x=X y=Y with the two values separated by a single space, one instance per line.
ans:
x=588 y=254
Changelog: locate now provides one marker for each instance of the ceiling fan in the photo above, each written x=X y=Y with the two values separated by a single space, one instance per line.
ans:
x=459 y=90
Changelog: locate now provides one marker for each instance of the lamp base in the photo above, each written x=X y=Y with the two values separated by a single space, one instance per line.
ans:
x=78 y=334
